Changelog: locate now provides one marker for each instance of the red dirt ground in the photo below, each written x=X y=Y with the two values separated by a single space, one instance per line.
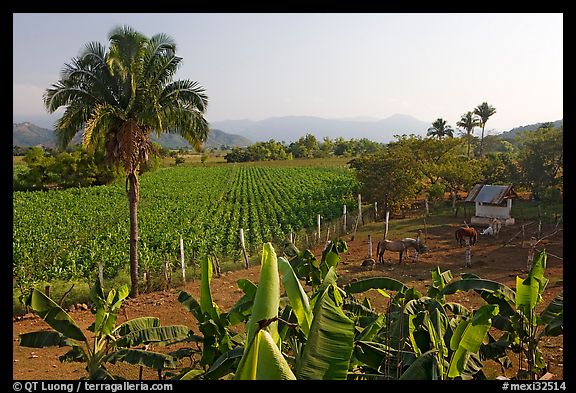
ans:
x=491 y=259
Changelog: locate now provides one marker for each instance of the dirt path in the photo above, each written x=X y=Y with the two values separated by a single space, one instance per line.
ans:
x=490 y=260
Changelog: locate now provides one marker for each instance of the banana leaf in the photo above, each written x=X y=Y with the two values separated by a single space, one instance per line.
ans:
x=374 y=354
x=469 y=336
x=375 y=283
x=262 y=360
x=554 y=308
x=424 y=368
x=54 y=315
x=139 y=357
x=43 y=339
x=222 y=365
x=526 y=294
x=297 y=296
x=267 y=299
x=207 y=305
x=241 y=310
x=192 y=305
x=162 y=335
x=439 y=281
x=372 y=329
x=478 y=284
x=137 y=324
x=327 y=352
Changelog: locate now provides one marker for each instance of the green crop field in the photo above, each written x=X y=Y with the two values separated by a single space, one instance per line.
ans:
x=65 y=234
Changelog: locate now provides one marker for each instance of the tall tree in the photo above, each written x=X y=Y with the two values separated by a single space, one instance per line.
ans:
x=440 y=128
x=468 y=121
x=119 y=97
x=484 y=111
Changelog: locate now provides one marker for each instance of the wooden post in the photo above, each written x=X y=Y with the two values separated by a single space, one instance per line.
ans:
x=426 y=204
x=344 y=214
x=376 y=209
x=386 y=228
x=328 y=232
x=531 y=253
x=369 y=246
x=243 y=248
x=360 y=209
x=539 y=228
x=291 y=237
x=425 y=231
x=467 y=254
x=318 y=222
x=182 y=261
x=147 y=279
x=101 y=273
x=523 y=225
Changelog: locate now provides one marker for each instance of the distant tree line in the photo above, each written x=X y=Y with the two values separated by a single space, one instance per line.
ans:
x=47 y=168
x=307 y=146
x=414 y=165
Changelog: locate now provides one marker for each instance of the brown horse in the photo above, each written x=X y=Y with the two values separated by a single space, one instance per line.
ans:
x=469 y=232
x=400 y=246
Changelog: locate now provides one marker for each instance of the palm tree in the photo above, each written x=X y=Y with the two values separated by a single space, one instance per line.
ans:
x=119 y=98
x=468 y=121
x=484 y=111
x=440 y=129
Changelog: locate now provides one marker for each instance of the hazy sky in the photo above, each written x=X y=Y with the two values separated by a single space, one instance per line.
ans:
x=331 y=65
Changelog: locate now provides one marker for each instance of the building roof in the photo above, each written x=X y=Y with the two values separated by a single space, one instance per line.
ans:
x=487 y=193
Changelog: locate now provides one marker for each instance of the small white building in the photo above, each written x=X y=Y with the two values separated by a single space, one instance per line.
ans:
x=492 y=202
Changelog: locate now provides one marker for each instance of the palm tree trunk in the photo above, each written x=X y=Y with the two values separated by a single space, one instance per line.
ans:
x=133 y=202
x=481 y=142
x=468 y=144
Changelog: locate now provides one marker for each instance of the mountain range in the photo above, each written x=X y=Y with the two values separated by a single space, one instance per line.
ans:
x=28 y=134
x=291 y=128
x=282 y=129
x=531 y=127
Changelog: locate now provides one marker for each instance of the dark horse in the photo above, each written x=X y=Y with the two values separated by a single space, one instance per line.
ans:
x=469 y=232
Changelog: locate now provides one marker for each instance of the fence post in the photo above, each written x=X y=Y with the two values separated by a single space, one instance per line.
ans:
x=386 y=228
x=426 y=203
x=369 y=246
x=375 y=209
x=101 y=273
x=540 y=229
x=318 y=223
x=360 y=208
x=344 y=213
x=243 y=247
x=182 y=261
x=531 y=253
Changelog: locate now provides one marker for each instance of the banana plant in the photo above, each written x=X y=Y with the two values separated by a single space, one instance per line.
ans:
x=521 y=328
x=411 y=340
x=326 y=343
x=221 y=349
x=111 y=342
x=307 y=267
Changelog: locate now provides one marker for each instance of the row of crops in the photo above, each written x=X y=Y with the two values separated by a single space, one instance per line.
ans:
x=66 y=234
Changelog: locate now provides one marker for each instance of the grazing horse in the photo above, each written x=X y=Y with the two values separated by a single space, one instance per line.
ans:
x=416 y=244
x=469 y=232
x=396 y=245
